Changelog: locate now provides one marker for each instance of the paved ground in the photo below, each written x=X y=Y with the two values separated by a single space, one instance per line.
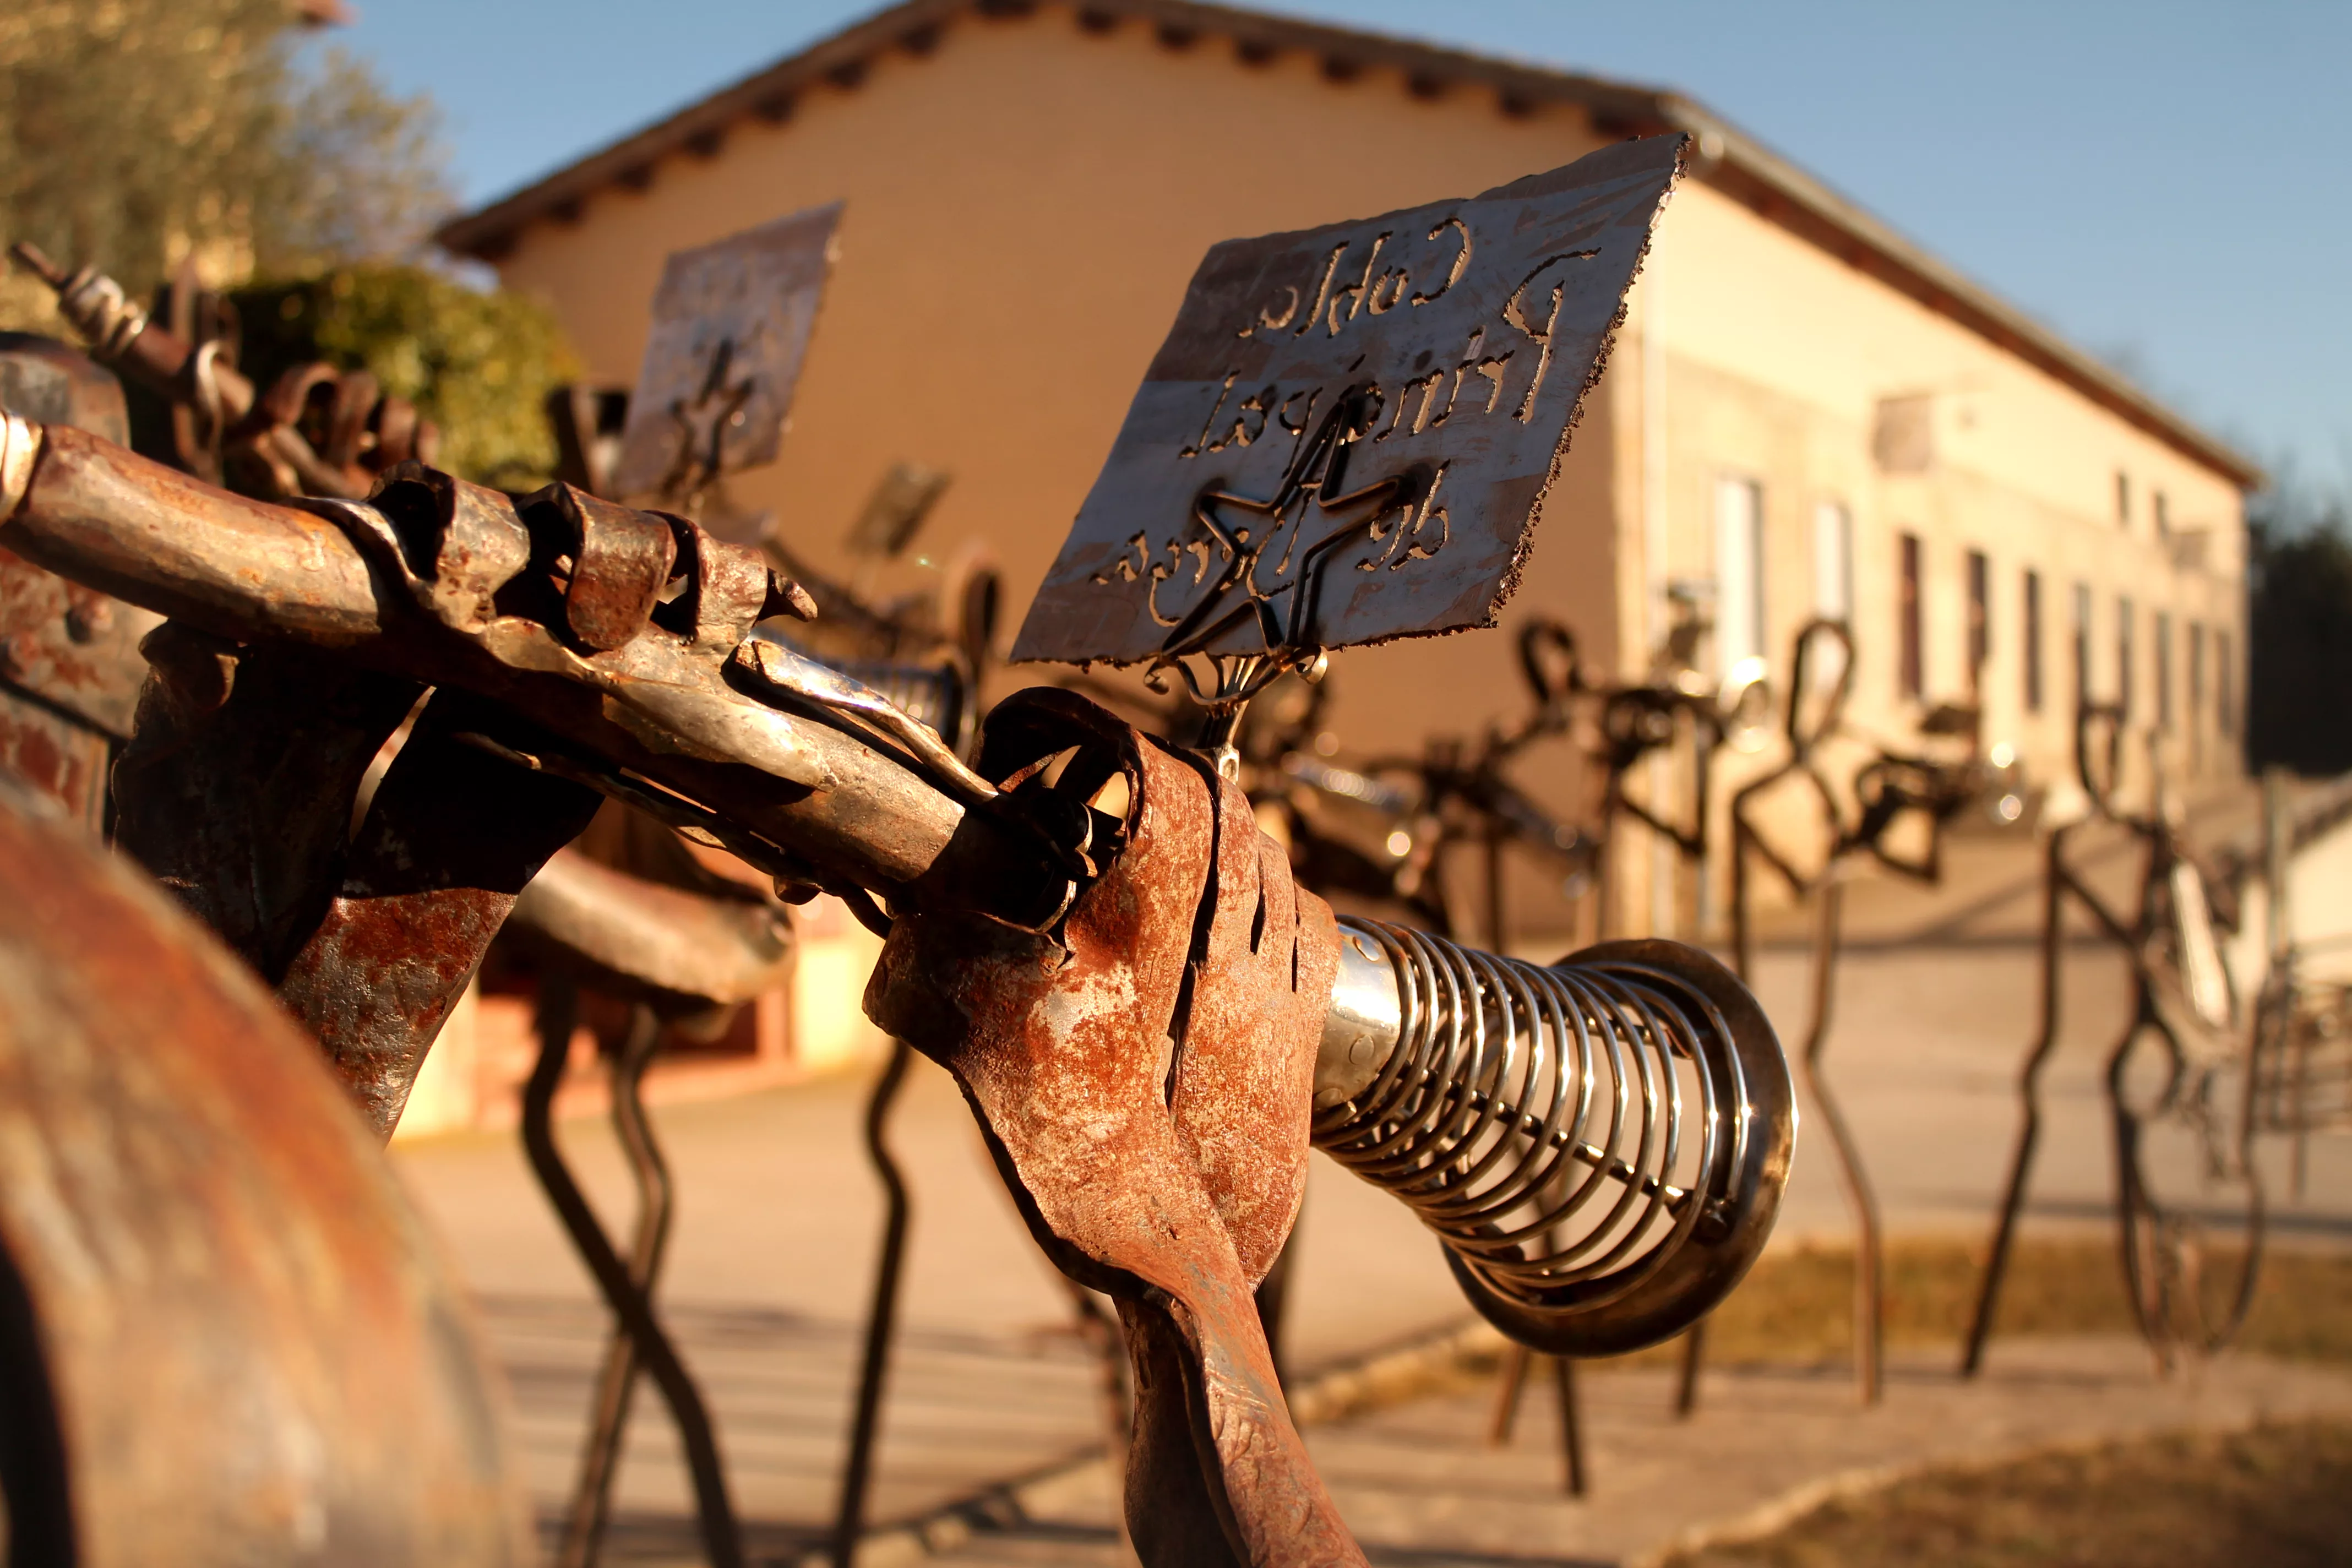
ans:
x=776 y=1229
x=1421 y=1488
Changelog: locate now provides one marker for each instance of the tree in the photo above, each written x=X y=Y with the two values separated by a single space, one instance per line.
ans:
x=136 y=133
x=2299 y=674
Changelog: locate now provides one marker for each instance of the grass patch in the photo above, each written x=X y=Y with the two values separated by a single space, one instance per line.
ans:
x=2279 y=1495
x=1798 y=1304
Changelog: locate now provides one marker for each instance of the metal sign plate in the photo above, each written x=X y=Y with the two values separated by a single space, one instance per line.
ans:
x=731 y=322
x=1350 y=432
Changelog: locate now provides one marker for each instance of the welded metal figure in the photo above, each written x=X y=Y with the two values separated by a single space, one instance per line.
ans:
x=323 y=434
x=1152 y=1020
x=2182 y=1004
x=1463 y=1083
x=1888 y=788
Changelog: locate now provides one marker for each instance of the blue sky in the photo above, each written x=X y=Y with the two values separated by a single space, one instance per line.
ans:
x=2171 y=185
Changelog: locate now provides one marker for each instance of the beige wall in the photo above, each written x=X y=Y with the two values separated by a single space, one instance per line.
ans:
x=1777 y=357
x=1025 y=204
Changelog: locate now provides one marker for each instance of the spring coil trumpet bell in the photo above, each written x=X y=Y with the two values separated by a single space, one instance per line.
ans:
x=1601 y=1145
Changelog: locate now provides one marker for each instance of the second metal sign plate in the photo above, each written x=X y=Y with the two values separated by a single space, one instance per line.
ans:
x=731 y=322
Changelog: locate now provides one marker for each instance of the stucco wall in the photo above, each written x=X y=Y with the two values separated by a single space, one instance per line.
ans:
x=1027 y=202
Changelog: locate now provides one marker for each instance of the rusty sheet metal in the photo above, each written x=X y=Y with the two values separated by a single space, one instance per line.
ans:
x=64 y=760
x=225 y=1336
x=1144 y=1082
x=450 y=839
x=236 y=792
x=64 y=645
x=41 y=378
x=731 y=322
x=70 y=647
x=1350 y=430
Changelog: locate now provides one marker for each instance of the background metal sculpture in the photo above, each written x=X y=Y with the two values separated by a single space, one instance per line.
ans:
x=2302 y=1070
x=1886 y=788
x=2181 y=1001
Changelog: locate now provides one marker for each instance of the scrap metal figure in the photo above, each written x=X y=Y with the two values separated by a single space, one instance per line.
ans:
x=2186 y=1031
x=1151 y=1021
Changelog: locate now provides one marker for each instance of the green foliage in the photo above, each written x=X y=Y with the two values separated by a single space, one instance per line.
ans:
x=479 y=365
x=2300 y=633
x=135 y=132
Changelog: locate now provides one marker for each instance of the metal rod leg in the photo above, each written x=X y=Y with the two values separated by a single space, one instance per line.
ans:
x=1868 y=1283
x=1743 y=963
x=592 y=1498
x=1509 y=1379
x=1686 y=1378
x=1571 y=1424
x=2028 y=1132
x=559 y=1006
x=882 y=1319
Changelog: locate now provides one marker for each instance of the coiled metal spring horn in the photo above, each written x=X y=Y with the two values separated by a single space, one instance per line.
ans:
x=1600 y=1144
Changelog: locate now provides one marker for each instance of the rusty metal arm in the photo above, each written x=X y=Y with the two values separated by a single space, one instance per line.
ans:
x=1430 y=1050
x=843 y=803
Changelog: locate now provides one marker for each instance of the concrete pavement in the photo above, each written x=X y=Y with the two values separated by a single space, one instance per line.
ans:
x=776 y=1228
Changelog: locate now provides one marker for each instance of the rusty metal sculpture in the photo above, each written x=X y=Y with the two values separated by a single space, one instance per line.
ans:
x=224 y=1335
x=576 y=646
x=1887 y=788
x=2182 y=1000
x=1431 y=1054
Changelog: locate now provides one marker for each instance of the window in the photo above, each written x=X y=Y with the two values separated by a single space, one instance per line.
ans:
x=2197 y=696
x=2164 y=669
x=1979 y=619
x=2225 y=686
x=2123 y=498
x=1739 y=571
x=2029 y=638
x=1833 y=581
x=1913 y=677
x=2160 y=511
x=1832 y=561
x=2124 y=657
x=2082 y=645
